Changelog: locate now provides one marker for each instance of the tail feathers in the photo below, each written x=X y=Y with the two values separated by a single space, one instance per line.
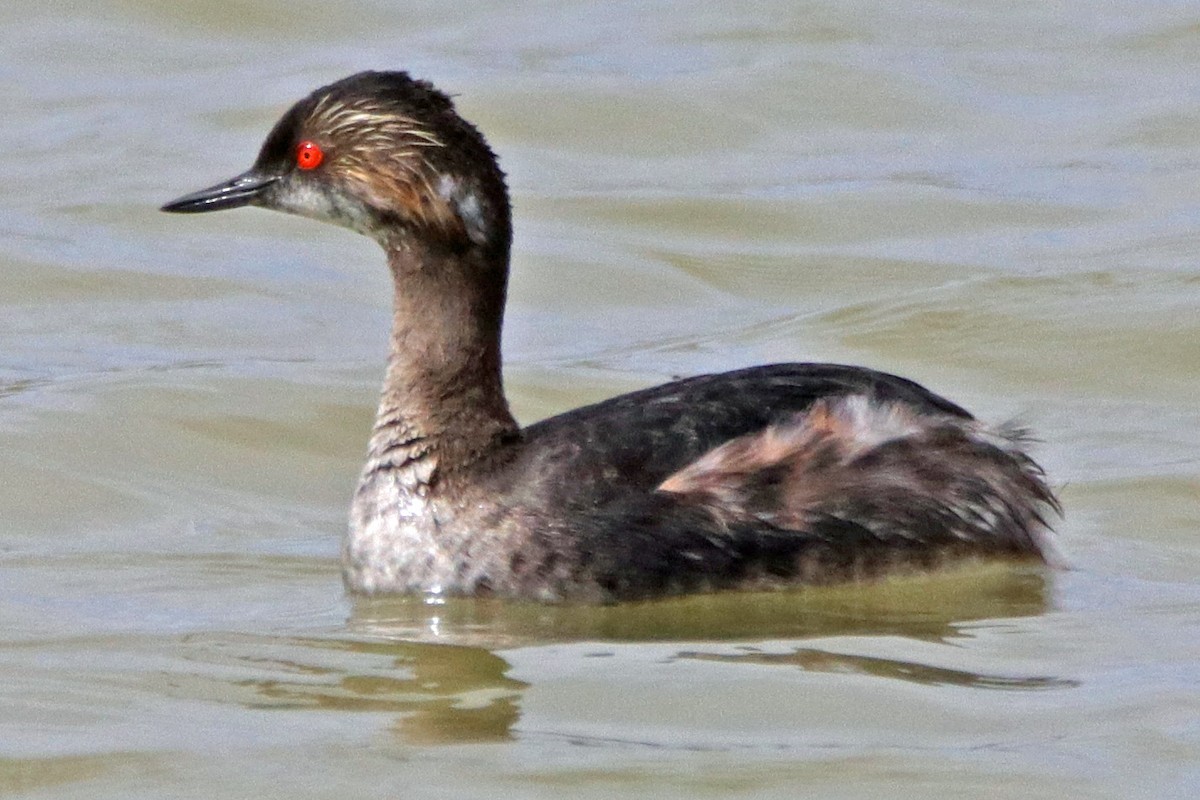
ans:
x=864 y=475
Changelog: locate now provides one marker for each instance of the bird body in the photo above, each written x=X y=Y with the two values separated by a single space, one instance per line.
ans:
x=764 y=477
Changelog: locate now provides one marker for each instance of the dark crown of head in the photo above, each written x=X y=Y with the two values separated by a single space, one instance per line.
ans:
x=400 y=146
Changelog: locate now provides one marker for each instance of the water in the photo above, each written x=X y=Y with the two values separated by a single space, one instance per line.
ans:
x=997 y=200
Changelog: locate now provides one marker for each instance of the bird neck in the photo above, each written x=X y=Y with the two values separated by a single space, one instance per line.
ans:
x=442 y=408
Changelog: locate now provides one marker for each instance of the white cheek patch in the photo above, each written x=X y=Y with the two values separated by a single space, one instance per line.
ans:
x=313 y=201
x=318 y=201
x=466 y=205
x=304 y=199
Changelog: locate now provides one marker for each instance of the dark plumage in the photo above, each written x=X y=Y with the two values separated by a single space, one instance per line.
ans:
x=764 y=477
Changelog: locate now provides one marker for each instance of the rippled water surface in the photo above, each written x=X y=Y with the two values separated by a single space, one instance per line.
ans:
x=1000 y=200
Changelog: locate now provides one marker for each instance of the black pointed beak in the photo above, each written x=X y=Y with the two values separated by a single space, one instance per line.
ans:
x=240 y=191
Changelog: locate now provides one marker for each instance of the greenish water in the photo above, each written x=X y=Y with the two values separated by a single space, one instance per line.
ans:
x=1000 y=201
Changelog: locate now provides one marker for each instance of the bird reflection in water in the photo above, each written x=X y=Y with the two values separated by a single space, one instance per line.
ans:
x=441 y=693
x=442 y=668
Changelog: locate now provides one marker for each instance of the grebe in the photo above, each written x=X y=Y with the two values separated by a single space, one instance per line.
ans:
x=767 y=477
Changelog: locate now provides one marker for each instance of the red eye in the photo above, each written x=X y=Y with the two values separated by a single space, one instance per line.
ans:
x=309 y=155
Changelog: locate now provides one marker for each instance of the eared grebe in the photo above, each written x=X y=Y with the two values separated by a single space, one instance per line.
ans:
x=765 y=477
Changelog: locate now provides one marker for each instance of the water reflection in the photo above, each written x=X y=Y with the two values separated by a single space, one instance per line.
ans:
x=927 y=607
x=442 y=672
x=456 y=688
x=442 y=693
x=817 y=660
x=14 y=387
x=29 y=775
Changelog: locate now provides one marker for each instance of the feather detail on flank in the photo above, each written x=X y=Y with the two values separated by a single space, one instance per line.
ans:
x=887 y=472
